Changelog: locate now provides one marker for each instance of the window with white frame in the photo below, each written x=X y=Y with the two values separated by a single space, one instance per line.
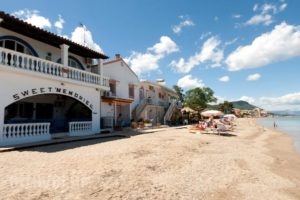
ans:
x=15 y=45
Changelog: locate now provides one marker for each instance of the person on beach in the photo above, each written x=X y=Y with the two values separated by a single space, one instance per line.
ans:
x=274 y=125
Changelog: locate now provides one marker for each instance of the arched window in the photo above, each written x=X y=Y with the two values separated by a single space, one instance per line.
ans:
x=17 y=44
x=73 y=62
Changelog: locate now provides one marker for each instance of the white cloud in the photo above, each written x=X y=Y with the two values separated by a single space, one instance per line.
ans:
x=33 y=17
x=143 y=63
x=266 y=13
x=165 y=46
x=219 y=100
x=260 y=19
x=253 y=77
x=224 y=79
x=237 y=16
x=286 y=102
x=231 y=42
x=210 y=52
x=188 y=82
x=255 y=7
x=185 y=23
x=268 y=8
x=59 y=24
x=280 y=44
x=282 y=7
x=248 y=99
x=83 y=36
x=289 y=102
x=205 y=35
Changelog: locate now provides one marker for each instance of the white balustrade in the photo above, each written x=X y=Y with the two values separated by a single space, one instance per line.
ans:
x=80 y=128
x=24 y=133
x=18 y=60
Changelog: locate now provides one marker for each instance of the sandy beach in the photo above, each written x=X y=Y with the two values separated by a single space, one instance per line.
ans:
x=251 y=163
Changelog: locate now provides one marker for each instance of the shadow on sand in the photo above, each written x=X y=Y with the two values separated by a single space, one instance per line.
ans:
x=67 y=145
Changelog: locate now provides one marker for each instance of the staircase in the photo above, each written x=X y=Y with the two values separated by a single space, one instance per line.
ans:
x=170 y=111
x=139 y=109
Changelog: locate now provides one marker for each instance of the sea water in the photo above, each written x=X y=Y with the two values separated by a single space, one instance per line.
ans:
x=289 y=125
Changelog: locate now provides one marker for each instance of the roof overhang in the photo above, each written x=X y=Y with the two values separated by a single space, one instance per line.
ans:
x=19 y=26
x=115 y=100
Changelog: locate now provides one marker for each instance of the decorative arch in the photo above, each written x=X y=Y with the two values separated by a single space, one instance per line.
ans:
x=23 y=42
x=57 y=109
x=53 y=90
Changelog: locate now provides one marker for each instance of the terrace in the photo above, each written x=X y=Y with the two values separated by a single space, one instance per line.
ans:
x=26 y=64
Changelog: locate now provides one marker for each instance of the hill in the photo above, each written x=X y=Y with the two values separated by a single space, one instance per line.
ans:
x=243 y=105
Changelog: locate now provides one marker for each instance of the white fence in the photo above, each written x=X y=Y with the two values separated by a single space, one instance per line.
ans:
x=80 y=128
x=26 y=62
x=24 y=133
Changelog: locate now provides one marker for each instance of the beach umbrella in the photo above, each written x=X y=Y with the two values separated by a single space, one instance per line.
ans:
x=188 y=109
x=211 y=113
x=230 y=117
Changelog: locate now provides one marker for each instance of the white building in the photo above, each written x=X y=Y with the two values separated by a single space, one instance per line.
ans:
x=157 y=102
x=123 y=95
x=47 y=85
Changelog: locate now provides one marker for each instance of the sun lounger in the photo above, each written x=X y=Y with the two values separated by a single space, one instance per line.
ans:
x=221 y=128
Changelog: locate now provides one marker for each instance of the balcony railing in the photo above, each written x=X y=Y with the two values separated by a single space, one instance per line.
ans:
x=24 y=133
x=80 y=128
x=26 y=62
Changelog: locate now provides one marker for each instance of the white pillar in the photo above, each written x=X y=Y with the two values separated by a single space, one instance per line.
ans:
x=64 y=54
x=130 y=117
x=96 y=114
x=115 y=112
x=2 y=113
x=100 y=66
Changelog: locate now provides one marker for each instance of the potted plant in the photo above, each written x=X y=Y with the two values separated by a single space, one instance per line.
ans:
x=147 y=123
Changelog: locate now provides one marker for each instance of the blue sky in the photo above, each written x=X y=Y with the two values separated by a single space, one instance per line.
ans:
x=243 y=50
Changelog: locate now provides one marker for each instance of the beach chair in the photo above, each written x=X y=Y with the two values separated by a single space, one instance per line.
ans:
x=221 y=128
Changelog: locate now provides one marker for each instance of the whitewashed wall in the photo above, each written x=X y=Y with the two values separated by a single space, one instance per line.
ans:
x=120 y=72
x=13 y=84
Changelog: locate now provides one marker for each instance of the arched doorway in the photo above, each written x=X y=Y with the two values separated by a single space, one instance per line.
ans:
x=56 y=109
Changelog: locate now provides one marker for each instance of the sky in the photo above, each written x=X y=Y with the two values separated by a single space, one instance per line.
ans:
x=242 y=50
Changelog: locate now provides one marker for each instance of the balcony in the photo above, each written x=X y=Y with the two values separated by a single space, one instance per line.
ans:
x=15 y=61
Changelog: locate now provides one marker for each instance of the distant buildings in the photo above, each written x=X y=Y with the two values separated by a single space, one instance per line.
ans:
x=256 y=112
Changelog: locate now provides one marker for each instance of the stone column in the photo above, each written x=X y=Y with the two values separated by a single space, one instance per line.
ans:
x=64 y=54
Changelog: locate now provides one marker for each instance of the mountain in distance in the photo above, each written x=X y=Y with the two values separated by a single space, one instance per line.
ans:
x=243 y=105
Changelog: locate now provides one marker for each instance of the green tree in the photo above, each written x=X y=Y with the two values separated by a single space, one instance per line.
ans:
x=179 y=92
x=226 y=107
x=198 y=98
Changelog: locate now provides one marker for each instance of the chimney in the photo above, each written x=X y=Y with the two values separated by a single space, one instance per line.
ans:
x=118 y=56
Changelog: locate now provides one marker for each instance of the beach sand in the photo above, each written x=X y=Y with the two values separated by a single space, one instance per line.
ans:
x=251 y=163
